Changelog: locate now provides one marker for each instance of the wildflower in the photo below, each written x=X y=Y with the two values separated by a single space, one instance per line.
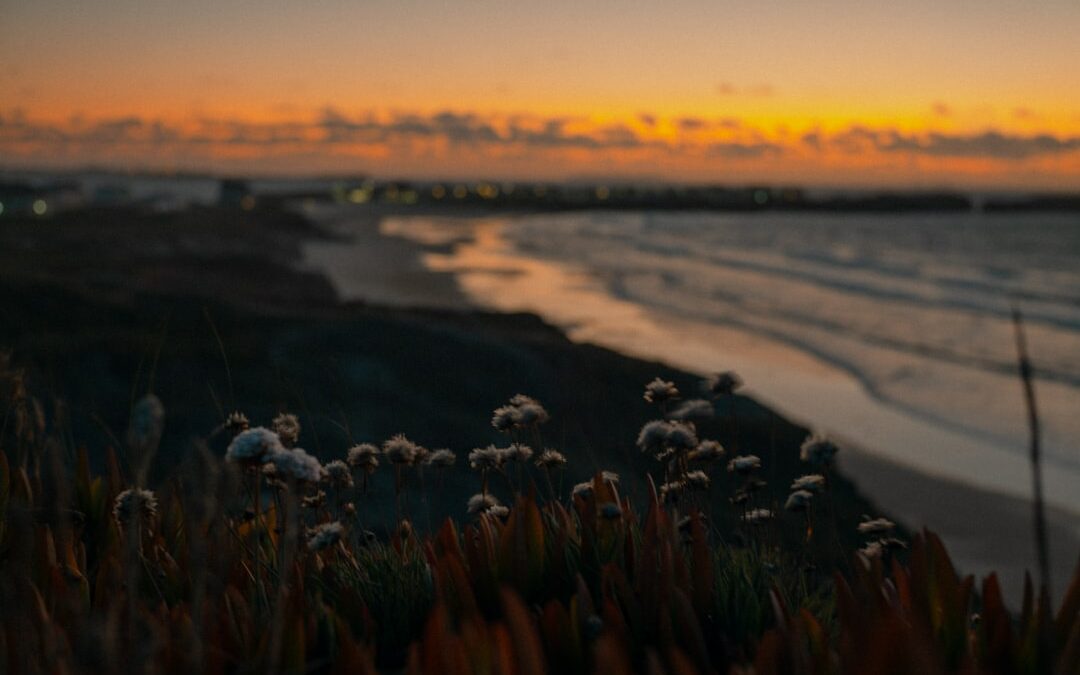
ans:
x=817 y=449
x=147 y=422
x=755 y=485
x=757 y=516
x=236 y=423
x=740 y=497
x=522 y=411
x=297 y=465
x=364 y=456
x=405 y=529
x=872 y=550
x=876 y=526
x=253 y=446
x=582 y=489
x=609 y=477
x=660 y=437
x=682 y=436
x=518 y=452
x=270 y=473
x=697 y=479
x=892 y=542
x=324 y=536
x=610 y=511
x=659 y=391
x=799 y=500
x=499 y=511
x=134 y=504
x=744 y=464
x=695 y=408
x=441 y=458
x=706 y=451
x=287 y=427
x=812 y=483
x=349 y=508
x=314 y=501
x=723 y=384
x=530 y=414
x=486 y=459
x=337 y=472
x=653 y=436
x=421 y=455
x=670 y=491
x=400 y=450
x=503 y=419
x=482 y=503
x=550 y=459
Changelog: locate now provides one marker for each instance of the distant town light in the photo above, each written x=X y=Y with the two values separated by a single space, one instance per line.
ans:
x=460 y=192
x=247 y=202
x=438 y=192
x=40 y=207
x=359 y=196
x=602 y=193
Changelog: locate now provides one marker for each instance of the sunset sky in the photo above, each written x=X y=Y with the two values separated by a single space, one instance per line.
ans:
x=937 y=93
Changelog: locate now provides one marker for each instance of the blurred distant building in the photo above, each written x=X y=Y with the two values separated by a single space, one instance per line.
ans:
x=237 y=194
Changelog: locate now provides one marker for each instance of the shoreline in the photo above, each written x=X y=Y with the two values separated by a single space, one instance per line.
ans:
x=986 y=530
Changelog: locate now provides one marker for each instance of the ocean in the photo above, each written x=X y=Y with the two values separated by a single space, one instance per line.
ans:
x=892 y=332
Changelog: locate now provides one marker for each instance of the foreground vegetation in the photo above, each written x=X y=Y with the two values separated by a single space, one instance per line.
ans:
x=257 y=557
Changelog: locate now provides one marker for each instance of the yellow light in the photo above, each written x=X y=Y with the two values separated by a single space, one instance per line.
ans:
x=602 y=193
x=438 y=192
x=461 y=192
x=358 y=196
x=40 y=207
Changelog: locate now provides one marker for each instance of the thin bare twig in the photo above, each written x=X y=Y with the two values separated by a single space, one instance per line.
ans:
x=1026 y=378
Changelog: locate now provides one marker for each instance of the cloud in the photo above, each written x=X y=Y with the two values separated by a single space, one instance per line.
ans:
x=758 y=90
x=453 y=137
x=738 y=150
x=990 y=144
